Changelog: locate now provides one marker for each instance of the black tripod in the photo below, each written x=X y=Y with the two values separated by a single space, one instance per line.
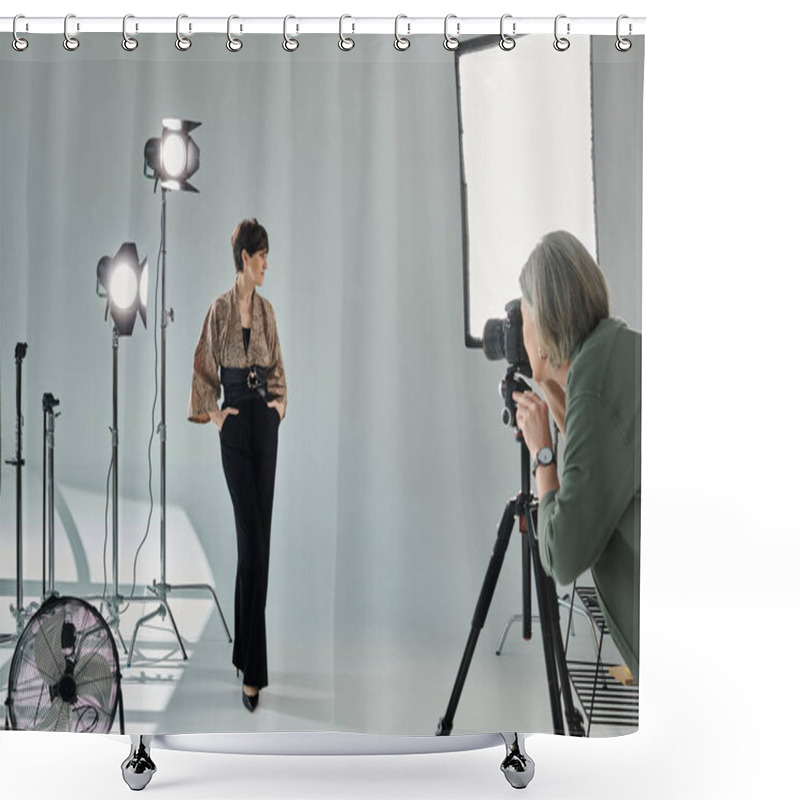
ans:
x=525 y=506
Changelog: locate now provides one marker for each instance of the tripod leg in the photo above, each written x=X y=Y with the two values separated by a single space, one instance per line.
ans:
x=136 y=627
x=555 y=660
x=479 y=617
x=208 y=588
x=527 y=614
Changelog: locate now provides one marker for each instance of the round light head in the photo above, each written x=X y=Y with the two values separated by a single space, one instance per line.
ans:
x=122 y=281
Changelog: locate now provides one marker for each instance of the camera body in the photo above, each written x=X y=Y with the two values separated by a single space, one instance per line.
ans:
x=502 y=338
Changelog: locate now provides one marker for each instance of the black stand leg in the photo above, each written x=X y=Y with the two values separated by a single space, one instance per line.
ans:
x=525 y=506
x=479 y=617
x=555 y=657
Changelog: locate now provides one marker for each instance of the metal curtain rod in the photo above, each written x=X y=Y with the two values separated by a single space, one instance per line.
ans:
x=461 y=26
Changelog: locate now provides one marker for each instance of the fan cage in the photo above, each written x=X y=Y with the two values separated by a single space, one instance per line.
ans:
x=65 y=674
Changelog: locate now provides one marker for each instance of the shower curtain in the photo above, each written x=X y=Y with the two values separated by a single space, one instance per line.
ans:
x=392 y=190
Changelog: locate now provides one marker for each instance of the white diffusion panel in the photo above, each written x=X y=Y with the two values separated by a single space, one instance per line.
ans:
x=526 y=119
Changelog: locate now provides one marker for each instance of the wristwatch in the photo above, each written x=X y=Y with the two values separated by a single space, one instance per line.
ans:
x=543 y=458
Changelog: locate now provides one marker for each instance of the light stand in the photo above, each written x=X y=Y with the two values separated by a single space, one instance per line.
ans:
x=48 y=496
x=154 y=150
x=122 y=280
x=19 y=613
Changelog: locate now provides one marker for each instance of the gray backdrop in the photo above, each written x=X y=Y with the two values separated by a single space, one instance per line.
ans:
x=393 y=466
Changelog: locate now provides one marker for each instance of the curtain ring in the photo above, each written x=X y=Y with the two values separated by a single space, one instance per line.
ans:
x=345 y=42
x=289 y=43
x=129 y=43
x=622 y=44
x=18 y=43
x=181 y=41
x=507 y=42
x=401 y=42
x=70 y=42
x=233 y=44
x=561 y=43
x=451 y=42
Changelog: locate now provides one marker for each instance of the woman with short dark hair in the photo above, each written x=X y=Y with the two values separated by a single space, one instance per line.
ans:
x=588 y=367
x=239 y=351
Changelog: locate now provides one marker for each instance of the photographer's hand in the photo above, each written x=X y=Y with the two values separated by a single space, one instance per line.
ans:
x=532 y=420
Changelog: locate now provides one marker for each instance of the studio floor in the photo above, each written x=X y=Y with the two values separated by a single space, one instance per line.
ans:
x=397 y=685
x=163 y=693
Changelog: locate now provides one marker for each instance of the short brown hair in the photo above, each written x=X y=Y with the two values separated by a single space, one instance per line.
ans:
x=249 y=235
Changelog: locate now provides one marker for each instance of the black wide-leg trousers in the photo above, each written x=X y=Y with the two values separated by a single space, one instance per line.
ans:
x=249 y=444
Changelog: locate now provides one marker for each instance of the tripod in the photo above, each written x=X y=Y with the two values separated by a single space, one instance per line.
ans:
x=525 y=506
x=162 y=589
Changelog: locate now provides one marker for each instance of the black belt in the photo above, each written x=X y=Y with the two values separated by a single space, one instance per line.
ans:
x=244 y=383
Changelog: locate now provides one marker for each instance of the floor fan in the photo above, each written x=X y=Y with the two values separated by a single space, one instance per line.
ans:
x=65 y=672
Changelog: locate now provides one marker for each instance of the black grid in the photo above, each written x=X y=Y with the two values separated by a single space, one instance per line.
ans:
x=604 y=699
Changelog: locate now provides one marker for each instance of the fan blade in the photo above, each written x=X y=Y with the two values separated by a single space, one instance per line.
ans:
x=57 y=717
x=47 y=651
x=93 y=679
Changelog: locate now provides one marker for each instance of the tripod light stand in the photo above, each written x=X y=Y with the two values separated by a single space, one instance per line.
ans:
x=171 y=159
x=123 y=282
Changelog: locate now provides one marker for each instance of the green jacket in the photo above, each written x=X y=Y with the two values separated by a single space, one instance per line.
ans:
x=592 y=521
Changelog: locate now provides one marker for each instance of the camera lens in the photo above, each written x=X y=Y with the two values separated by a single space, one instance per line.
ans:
x=494 y=339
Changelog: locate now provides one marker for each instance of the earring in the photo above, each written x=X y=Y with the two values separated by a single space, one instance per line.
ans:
x=541 y=354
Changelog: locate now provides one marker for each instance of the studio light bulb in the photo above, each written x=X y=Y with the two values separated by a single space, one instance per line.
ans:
x=123 y=287
x=173 y=155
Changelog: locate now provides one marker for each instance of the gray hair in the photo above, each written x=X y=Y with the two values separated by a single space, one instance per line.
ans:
x=565 y=293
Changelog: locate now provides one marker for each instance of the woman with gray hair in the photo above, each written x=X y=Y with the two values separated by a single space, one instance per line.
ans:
x=587 y=366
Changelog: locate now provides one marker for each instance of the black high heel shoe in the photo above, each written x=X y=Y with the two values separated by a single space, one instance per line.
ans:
x=249 y=702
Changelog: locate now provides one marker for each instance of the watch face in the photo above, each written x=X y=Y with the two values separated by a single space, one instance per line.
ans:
x=545 y=456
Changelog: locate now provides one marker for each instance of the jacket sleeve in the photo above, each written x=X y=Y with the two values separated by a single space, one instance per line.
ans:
x=205 y=389
x=276 y=377
x=598 y=483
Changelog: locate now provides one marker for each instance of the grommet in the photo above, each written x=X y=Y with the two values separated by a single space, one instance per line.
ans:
x=70 y=42
x=401 y=42
x=451 y=42
x=181 y=42
x=345 y=42
x=18 y=43
x=290 y=44
x=233 y=44
x=561 y=43
x=507 y=42
x=129 y=43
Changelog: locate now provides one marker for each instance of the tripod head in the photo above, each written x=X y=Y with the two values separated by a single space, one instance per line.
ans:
x=20 y=351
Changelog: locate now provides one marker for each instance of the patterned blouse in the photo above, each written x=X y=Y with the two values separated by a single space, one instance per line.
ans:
x=221 y=345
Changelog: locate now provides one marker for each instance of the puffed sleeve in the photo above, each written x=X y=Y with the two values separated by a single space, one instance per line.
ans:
x=276 y=376
x=205 y=374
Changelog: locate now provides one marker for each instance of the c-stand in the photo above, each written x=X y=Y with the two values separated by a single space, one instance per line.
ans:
x=525 y=506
